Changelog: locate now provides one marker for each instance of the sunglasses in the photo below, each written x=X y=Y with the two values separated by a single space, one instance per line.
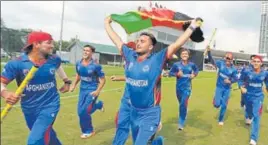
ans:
x=228 y=58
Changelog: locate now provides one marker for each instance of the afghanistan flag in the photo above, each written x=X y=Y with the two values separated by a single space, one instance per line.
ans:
x=135 y=21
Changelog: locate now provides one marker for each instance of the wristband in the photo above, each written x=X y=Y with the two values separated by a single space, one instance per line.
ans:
x=68 y=82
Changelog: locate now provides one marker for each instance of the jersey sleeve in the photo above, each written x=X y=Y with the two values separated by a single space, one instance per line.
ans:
x=174 y=70
x=57 y=60
x=242 y=78
x=127 y=53
x=195 y=69
x=77 y=67
x=234 y=77
x=9 y=72
x=266 y=81
x=99 y=71
x=218 y=63
x=161 y=57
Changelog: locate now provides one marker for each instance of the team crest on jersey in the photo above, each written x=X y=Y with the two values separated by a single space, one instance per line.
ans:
x=25 y=71
x=130 y=65
x=52 y=71
x=146 y=68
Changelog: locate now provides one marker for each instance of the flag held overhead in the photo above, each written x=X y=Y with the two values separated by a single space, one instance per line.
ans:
x=136 y=21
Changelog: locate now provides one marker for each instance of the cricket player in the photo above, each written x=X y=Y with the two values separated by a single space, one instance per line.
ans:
x=41 y=101
x=92 y=81
x=251 y=87
x=243 y=98
x=184 y=71
x=227 y=75
x=123 y=117
x=143 y=79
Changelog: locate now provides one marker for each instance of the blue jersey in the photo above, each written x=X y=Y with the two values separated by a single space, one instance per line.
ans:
x=183 y=82
x=225 y=72
x=254 y=82
x=42 y=89
x=143 y=79
x=89 y=75
x=244 y=69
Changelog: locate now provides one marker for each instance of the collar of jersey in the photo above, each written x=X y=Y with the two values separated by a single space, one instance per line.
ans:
x=90 y=62
x=25 y=57
x=136 y=55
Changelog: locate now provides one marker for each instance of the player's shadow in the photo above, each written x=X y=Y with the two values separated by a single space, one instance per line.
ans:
x=106 y=126
x=173 y=136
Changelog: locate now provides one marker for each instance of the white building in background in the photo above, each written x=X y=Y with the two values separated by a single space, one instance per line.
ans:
x=263 y=43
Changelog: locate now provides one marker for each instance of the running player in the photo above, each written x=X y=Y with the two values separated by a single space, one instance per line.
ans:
x=251 y=87
x=92 y=81
x=184 y=71
x=41 y=102
x=143 y=79
x=227 y=75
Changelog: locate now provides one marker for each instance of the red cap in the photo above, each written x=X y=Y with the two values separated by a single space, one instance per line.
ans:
x=37 y=37
x=258 y=57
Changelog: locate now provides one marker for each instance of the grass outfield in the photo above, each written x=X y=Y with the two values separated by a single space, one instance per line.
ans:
x=201 y=126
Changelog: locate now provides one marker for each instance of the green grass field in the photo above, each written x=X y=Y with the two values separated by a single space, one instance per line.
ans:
x=201 y=127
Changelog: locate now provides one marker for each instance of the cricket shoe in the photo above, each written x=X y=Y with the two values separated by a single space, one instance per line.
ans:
x=221 y=123
x=180 y=127
x=248 y=121
x=87 y=135
x=252 y=142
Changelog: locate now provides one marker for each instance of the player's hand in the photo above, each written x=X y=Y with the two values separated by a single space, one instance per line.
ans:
x=72 y=88
x=180 y=74
x=65 y=88
x=243 y=90
x=10 y=97
x=227 y=81
x=197 y=22
x=192 y=76
x=113 y=78
x=95 y=93
x=208 y=48
x=108 y=20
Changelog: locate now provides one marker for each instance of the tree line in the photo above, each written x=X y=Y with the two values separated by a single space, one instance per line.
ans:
x=13 y=40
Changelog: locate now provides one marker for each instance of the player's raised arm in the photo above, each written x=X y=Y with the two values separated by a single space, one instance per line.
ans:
x=172 y=48
x=112 y=34
x=210 y=58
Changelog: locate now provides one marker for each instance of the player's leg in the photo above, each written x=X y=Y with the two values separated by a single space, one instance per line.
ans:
x=41 y=131
x=179 y=97
x=122 y=124
x=183 y=108
x=224 y=103
x=149 y=120
x=85 y=119
x=217 y=97
x=257 y=110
